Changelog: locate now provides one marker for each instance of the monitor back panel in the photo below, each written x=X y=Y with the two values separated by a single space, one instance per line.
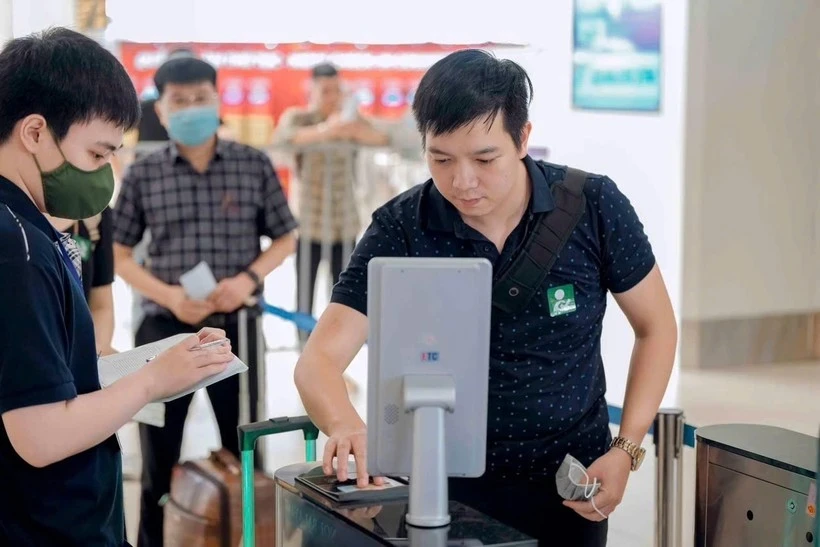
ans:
x=428 y=316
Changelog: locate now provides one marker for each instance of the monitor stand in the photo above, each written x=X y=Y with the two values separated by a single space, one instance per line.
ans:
x=429 y=537
x=428 y=396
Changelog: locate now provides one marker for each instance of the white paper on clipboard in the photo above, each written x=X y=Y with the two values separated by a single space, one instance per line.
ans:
x=119 y=365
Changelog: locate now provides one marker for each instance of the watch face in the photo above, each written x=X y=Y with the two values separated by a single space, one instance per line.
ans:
x=639 y=458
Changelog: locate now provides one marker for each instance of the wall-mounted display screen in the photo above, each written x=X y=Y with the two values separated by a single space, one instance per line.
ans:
x=617 y=55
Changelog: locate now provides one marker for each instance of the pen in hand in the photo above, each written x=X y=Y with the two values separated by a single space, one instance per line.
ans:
x=220 y=342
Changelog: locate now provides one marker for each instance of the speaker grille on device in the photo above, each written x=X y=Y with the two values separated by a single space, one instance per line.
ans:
x=391 y=414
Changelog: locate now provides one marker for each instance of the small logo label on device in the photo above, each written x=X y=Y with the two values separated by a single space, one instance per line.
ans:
x=561 y=300
x=429 y=356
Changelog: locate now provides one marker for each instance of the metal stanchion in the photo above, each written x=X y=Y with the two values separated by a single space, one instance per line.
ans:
x=261 y=371
x=244 y=391
x=304 y=291
x=261 y=381
x=668 y=433
x=349 y=210
x=327 y=209
x=679 y=443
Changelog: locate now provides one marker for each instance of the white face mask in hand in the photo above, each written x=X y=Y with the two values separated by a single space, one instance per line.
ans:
x=573 y=482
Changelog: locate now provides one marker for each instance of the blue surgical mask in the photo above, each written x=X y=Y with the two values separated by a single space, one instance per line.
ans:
x=193 y=126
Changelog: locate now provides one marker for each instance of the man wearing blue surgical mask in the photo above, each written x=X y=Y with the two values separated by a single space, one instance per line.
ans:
x=204 y=199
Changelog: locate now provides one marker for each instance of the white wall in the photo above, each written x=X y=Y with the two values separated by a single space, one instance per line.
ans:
x=642 y=153
x=6 y=21
x=752 y=167
x=35 y=15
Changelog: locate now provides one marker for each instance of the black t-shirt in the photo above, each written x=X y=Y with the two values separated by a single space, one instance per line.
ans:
x=94 y=238
x=48 y=355
x=547 y=383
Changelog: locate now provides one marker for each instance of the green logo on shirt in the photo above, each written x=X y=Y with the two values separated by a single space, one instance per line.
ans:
x=561 y=300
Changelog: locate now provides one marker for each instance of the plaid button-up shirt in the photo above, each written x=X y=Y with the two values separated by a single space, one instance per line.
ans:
x=327 y=180
x=217 y=216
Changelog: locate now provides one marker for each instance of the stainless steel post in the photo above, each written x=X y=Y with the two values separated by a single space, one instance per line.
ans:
x=680 y=423
x=327 y=209
x=350 y=213
x=304 y=288
x=668 y=433
x=261 y=371
x=261 y=381
x=244 y=391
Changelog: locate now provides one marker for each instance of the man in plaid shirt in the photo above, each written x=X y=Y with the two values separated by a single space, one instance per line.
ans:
x=204 y=199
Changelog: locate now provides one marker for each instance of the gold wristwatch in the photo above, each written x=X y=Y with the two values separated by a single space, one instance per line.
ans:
x=635 y=452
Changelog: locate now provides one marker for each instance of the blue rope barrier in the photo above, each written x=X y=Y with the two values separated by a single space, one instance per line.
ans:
x=307 y=323
x=303 y=321
x=689 y=435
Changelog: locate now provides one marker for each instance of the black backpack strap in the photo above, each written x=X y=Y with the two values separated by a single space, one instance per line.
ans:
x=516 y=287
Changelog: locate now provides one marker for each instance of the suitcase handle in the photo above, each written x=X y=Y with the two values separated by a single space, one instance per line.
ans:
x=227 y=461
x=248 y=435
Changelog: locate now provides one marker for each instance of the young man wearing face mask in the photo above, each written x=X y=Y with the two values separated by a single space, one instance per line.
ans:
x=65 y=103
x=203 y=199
x=546 y=385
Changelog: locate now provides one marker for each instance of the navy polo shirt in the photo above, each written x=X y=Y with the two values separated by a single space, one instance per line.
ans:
x=47 y=355
x=546 y=385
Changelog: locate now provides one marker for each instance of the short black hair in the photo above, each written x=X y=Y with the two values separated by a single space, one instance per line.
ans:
x=181 y=52
x=184 y=70
x=324 y=70
x=468 y=85
x=67 y=78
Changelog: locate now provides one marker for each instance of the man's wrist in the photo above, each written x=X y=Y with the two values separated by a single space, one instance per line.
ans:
x=346 y=423
x=632 y=450
x=145 y=379
x=624 y=455
x=166 y=294
x=255 y=278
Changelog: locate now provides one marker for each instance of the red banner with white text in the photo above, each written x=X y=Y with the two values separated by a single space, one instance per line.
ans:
x=257 y=82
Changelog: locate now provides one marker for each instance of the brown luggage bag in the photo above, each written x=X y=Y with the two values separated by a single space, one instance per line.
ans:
x=204 y=508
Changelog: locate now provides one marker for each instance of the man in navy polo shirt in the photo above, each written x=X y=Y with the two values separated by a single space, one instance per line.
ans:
x=547 y=382
x=64 y=104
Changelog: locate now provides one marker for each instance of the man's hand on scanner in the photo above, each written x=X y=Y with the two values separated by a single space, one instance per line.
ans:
x=342 y=442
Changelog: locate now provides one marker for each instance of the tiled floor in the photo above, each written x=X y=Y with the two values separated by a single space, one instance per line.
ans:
x=786 y=396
